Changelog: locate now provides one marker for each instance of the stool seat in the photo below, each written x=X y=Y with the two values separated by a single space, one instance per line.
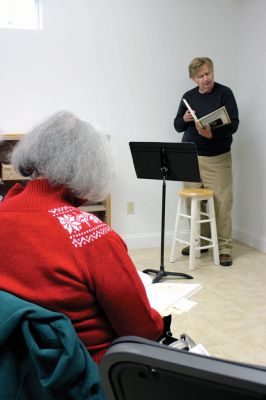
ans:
x=196 y=218
x=196 y=192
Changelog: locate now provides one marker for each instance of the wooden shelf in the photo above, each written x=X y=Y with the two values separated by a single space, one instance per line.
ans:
x=12 y=136
x=8 y=173
x=101 y=209
x=93 y=208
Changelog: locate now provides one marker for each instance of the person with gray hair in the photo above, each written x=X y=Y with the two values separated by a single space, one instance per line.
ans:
x=67 y=151
x=64 y=259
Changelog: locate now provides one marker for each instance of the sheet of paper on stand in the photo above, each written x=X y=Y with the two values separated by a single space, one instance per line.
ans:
x=164 y=296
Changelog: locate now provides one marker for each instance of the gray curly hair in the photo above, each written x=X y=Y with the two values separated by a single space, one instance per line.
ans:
x=67 y=151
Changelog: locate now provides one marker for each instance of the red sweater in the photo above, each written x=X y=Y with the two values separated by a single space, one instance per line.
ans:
x=54 y=255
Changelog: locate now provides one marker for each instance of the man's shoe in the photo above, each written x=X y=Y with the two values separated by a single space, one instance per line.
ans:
x=225 y=260
x=185 y=251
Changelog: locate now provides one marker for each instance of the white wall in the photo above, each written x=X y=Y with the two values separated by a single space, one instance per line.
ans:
x=122 y=64
x=250 y=161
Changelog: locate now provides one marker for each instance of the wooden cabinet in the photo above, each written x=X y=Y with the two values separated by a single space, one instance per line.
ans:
x=8 y=176
x=8 y=173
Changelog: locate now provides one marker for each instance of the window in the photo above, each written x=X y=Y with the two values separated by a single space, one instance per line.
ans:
x=20 y=14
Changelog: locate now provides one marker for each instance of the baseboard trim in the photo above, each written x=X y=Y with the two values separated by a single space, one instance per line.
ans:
x=146 y=240
x=250 y=239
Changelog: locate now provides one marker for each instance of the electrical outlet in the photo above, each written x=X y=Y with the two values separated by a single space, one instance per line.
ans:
x=130 y=207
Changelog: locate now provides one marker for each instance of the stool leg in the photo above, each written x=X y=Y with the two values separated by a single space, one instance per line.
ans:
x=214 y=232
x=193 y=234
x=198 y=228
x=176 y=230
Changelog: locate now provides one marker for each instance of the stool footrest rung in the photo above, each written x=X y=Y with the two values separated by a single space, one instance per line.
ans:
x=203 y=221
x=204 y=213
x=182 y=241
x=206 y=239
x=210 y=246
x=185 y=216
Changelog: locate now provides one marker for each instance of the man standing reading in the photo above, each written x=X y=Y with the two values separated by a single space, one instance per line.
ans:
x=213 y=146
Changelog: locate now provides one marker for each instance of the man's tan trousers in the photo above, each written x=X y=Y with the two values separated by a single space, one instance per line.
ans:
x=216 y=174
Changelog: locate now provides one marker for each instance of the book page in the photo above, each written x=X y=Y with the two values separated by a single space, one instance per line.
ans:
x=163 y=296
x=183 y=305
x=215 y=119
x=190 y=110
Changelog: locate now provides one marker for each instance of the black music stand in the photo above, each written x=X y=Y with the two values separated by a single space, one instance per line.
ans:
x=165 y=161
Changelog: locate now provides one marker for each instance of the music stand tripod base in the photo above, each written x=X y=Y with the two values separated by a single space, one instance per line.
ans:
x=162 y=274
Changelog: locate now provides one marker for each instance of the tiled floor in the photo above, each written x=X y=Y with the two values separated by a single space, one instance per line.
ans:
x=230 y=317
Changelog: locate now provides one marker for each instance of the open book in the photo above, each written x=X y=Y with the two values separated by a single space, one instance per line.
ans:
x=215 y=119
x=164 y=295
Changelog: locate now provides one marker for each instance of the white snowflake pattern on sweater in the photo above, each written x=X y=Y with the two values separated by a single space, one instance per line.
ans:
x=82 y=227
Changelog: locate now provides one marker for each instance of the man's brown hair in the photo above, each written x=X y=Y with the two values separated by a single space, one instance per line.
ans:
x=197 y=63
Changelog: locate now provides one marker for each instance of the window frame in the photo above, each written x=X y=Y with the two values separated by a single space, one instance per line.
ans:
x=11 y=21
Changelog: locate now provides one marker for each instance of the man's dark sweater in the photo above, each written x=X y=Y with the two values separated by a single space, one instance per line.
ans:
x=203 y=104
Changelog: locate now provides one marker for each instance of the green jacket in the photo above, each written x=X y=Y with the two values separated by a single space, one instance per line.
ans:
x=41 y=357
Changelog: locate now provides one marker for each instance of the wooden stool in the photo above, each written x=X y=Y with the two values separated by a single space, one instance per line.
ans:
x=196 y=217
